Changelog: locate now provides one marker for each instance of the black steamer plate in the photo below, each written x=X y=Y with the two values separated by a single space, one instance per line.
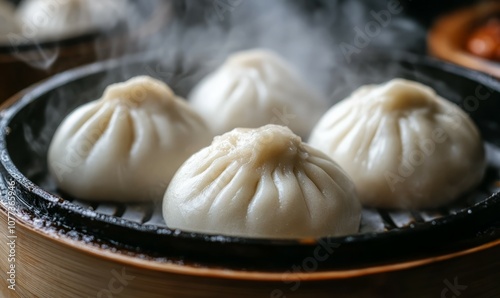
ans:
x=386 y=236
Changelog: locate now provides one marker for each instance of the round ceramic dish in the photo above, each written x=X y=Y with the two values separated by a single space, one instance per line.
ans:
x=448 y=36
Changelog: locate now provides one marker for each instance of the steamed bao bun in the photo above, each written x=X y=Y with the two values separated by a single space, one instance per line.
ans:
x=262 y=183
x=255 y=88
x=124 y=144
x=403 y=145
x=56 y=19
x=8 y=21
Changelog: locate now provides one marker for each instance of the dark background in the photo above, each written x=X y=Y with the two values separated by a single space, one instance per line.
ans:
x=338 y=15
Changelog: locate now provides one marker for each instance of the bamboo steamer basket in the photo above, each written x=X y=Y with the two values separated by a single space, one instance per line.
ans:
x=71 y=248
